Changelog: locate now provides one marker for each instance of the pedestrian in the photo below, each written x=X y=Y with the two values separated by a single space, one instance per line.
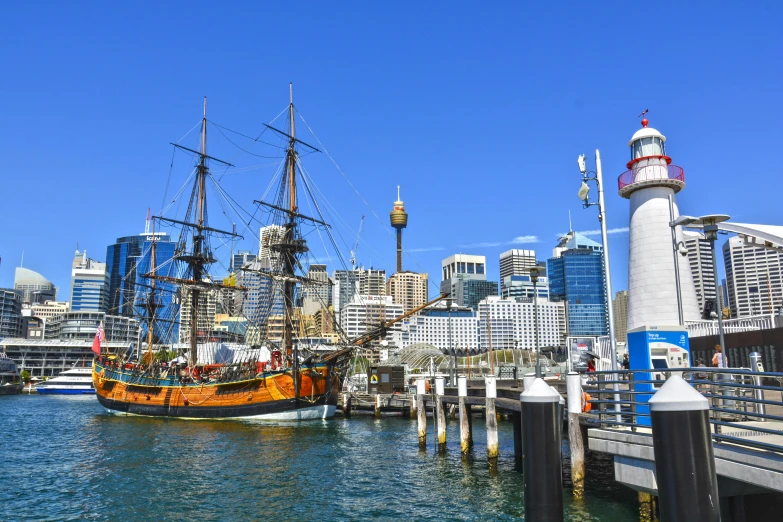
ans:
x=626 y=365
x=591 y=364
x=718 y=359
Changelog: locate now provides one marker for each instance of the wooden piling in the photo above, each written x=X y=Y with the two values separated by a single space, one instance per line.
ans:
x=421 y=411
x=412 y=412
x=347 y=405
x=645 y=507
x=378 y=406
x=440 y=412
x=575 y=440
x=465 y=424
x=491 y=417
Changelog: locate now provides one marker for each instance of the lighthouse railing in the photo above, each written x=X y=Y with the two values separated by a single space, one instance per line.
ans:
x=650 y=173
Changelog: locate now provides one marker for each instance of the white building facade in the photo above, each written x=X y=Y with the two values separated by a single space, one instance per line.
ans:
x=754 y=278
x=443 y=329
x=511 y=324
x=364 y=311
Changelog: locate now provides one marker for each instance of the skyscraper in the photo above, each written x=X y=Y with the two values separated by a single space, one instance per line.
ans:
x=409 y=289
x=316 y=295
x=11 y=312
x=700 y=260
x=166 y=326
x=122 y=259
x=372 y=282
x=263 y=298
x=35 y=287
x=89 y=284
x=270 y=235
x=576 y=276
x=516 y=262
x=345 y=286
x=754 y=278
x=621 y=316
x=512 y=325
x=465 y=279
x=240 y=259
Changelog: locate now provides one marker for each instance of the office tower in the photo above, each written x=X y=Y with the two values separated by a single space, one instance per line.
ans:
x=122 y=267
x=465 y=279
x=240 y=259
x=409 y=289
x=512 y=325
x=444 y=328
x=165 y=326
x=263 y=298
x=699 y=258
x=317 y=291
x=621 y=316
x=754 y=278
x=269 y=236
x=366 y=311
x=11 y=312
x=89 y=284
x=521 y=288
x=516 y=262
x=345 y=285
x=35 y=287
x=576 y=276
x=372 y=282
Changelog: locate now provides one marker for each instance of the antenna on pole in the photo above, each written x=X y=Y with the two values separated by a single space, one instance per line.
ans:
x=21 y=263
x=570 y=226
x=398 y=192
x=146 y=227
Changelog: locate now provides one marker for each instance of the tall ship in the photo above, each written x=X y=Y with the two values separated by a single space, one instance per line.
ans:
x=199 y=376
x=10 y=378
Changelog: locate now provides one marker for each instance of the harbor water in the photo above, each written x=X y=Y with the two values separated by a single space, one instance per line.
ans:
x=64 y=458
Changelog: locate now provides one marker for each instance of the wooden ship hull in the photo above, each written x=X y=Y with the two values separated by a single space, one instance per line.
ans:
x=269 y=395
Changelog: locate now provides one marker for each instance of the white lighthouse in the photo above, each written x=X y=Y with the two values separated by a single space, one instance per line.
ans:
x=648 y=183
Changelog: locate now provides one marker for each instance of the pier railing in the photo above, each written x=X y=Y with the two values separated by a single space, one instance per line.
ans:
x=746 y=407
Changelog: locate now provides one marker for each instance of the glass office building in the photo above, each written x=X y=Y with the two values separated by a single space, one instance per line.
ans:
x=165 y=327
x=122 y=259
x=576 y=276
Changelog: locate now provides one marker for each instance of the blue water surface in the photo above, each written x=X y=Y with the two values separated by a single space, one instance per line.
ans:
x=64 y=458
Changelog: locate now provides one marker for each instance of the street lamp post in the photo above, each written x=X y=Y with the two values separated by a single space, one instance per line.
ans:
x=452 y=357
x=583 y=195
x=675 y=251
x=535 y=272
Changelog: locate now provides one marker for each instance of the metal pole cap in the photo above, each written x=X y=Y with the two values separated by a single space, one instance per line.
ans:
x=677 y=395
x=540 y=391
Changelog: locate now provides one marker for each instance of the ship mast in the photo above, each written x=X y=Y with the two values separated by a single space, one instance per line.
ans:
x=198 y=241
x=289 y=250
x=151 y=302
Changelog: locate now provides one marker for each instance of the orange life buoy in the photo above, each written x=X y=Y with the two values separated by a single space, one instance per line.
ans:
x=586 y=406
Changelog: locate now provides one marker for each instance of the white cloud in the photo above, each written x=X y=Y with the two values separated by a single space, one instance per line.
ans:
x=519 y=240
x=597 y=232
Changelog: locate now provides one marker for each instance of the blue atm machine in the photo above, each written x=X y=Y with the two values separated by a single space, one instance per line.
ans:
x=658 y=349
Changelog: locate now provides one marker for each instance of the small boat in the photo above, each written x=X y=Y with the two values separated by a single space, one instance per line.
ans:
x=10 y=379
x=76 y=381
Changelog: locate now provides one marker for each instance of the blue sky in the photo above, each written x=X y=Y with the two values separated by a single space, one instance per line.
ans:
x=478 y=112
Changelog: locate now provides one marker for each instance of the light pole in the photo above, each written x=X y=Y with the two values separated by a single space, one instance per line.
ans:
x=535 y=272
x=675 y=250
x=709 y=225
x=584 y=196
x=452 y=357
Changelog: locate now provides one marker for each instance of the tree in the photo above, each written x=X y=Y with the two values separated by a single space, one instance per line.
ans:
x=25 y=375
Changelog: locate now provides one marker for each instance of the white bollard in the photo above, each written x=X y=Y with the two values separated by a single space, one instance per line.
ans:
x=491 y=416
x=575 y=439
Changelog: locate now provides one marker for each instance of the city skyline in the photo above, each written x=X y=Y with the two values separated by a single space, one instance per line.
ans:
x=465 y=90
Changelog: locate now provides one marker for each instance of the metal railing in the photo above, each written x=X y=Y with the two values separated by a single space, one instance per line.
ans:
x=742 y=324
x=746 y=407
x=650 y=173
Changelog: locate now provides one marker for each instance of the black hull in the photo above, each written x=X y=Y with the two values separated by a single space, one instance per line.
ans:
x=214 y=412
x=14 y=389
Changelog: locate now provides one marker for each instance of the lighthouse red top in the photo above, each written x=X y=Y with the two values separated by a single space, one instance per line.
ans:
x=644 y=117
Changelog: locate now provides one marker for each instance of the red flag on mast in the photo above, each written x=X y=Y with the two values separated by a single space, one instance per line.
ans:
x=99 y=338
